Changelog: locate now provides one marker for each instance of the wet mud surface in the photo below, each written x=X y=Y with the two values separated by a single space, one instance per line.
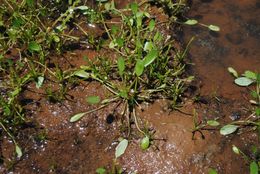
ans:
x=57 y=146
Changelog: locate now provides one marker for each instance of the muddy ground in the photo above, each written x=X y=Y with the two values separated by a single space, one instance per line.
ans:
x=55 y=145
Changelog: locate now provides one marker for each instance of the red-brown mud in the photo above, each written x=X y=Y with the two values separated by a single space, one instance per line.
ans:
x=55 y=145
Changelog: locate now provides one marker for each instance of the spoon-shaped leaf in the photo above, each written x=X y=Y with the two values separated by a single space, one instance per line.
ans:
x=139 y=67
x=18 y=151
x=191 y=22
x=145 y=143
x=150 y=57
x=243 y=81
x=121 y=147
x=233 y=71
x=212 y=123
x=213 y=28
x=77 y=117
x=228 y=129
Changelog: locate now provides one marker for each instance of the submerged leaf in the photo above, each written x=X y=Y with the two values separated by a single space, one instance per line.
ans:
x=243 y=81
x=121 y=147
x=191 y=22
x=150 y=57
x=145 y=143
x=93 y=99
x=77 y=117
x=213 y=28
x=228 y=129
x=232 y=71
x=18 y=151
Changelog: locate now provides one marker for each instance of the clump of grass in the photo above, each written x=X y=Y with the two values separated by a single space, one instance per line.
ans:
x=147 y=65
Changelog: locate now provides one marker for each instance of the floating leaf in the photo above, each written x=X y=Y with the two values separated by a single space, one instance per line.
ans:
x=93 y=99
x=145 y=143
x=191 y=22
x=232 y=71
x=39 y=82
x=213 y=28
x=18 y=151
x=121 y=65
x=212 y=123
x=101 y=170
x=235 y=149
x=150 y=57
x=250 y=75
x=243 y=81
x=77 y=117
x=139 y=67
x=81 y=73
x=212 y=171
x=121 y=147
x=151 y=25
x=34 y=47
x=253 y=168
x=228 y=129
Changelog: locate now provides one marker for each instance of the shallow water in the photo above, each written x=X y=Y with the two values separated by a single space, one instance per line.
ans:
x=236 y=45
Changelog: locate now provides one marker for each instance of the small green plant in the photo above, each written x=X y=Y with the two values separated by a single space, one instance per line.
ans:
x=146 y=66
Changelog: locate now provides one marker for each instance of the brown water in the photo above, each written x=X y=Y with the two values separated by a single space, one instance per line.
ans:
x=236 y=45
x=86 y=145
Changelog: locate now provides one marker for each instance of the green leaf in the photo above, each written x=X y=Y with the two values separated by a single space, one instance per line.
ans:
x=250 y=75
x=101 y=170
x=213 y=123
x=212 y=171
x=121 y=65
x=121 y=147
x=145 y=143
x=233 y=72
x=93 y=99
x=18 y=151
x=34 y=47
x=148 y=46
x=257 y=111
x=120 y=42
x=39 y=82
x=139 y=67
x=150 y=57
x=228 y=129
x=151 y=25
x=235 y=150
x=191 y=22
x=82 y=73
x=243 y=81
x=134 y=7
x=253 y=168
x=83 y=8
x=213 y=28
x=30 y=3
x=101 y=0
x=77 y=117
